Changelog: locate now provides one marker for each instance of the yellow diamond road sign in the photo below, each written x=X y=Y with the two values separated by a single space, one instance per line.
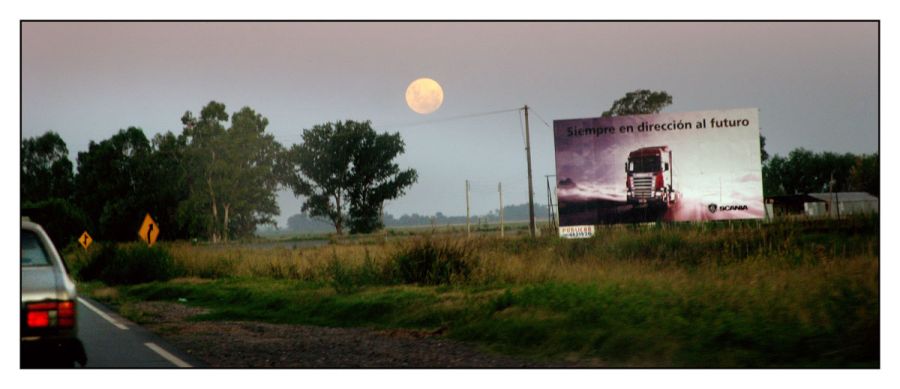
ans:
x=85 y=240
x=149 y=230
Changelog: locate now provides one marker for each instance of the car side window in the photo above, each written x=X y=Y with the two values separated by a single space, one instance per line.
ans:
x=33 y=253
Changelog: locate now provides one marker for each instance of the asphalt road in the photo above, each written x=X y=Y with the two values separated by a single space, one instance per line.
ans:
x=111 y=341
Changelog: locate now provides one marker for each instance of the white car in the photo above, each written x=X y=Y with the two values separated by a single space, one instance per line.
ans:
x=49 y=321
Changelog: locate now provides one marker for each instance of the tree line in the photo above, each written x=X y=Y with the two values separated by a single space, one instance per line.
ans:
x=804 y=171
x=216 y=180
x=302 y=222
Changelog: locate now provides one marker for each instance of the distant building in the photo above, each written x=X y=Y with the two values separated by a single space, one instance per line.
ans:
x=842 y=203
x=788 y=205
x=821 y=204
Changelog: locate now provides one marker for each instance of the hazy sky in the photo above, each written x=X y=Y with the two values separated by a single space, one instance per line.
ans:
x=816 y=85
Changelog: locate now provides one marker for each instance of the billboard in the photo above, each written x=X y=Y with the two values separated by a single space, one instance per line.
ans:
x=687 y=166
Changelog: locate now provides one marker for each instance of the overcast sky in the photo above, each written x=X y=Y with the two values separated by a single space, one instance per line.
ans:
x=814 y=83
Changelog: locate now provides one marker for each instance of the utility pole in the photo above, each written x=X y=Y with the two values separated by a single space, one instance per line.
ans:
x=383 y=226
x=468 y=230
x=530 y=186
x=500 y=190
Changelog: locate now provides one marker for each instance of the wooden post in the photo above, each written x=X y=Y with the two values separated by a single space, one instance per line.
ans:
x=500 y=190
x=468 y=228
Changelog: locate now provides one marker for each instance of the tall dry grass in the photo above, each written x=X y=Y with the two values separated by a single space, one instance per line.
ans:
x=667 y=254
x=309 y=264
x=795 y=293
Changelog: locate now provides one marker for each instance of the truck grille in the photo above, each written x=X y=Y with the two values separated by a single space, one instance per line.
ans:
x=643 y=186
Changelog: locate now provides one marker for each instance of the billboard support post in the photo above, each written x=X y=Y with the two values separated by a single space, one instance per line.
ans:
x=551 y=220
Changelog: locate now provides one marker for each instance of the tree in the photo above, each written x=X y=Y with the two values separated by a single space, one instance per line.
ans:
x=763 y=155
x=346 y=172
x=46 y=169
x=643 y=101
x=114 y=184
x=203 y=137
x=804 y=171
x=168 y=180
x=248 y=196
x=773 y=171
x=232 y=171
x=376 y=178
x=305 y=224
x=864 y=174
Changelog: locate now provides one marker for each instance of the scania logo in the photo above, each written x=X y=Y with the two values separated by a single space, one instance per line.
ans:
x=713 y=208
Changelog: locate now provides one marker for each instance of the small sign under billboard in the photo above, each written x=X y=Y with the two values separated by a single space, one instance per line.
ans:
x=687 y=166
x=573 y=232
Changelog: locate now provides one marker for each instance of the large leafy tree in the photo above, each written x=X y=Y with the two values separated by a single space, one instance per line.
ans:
x=204 y=138
x=46 y=169
x=639 y=102
x=249 y=190
x=115 y=185
x=347 y=171
x=48 y=183
x=232 y=176
x=168 y=178
x=375 y=178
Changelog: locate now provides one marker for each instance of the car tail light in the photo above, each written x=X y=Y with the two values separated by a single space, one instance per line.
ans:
x=38 y=319
x=66 y=314
x=51 y=313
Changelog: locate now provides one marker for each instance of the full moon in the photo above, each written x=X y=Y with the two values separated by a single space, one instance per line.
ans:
x=424 y=96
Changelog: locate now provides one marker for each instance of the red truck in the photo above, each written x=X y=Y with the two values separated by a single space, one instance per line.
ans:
x=649 y=177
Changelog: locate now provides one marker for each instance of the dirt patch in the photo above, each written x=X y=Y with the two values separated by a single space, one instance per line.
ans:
x=236 y=344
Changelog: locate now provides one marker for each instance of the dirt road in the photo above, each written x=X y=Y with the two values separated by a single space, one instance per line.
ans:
x=252 y=344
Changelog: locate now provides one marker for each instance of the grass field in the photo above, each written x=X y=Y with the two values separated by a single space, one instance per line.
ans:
x=800 y=293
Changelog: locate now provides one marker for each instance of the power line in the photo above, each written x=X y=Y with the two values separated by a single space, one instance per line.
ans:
x=540 y=117
x=419 y=123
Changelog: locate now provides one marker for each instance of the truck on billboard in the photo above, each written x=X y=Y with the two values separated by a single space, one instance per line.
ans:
x=688 y=166
x=649 y=181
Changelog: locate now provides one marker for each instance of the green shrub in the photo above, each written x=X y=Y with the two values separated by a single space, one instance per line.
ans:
x=129 y=264
x=347 y=279
x=427 y=261
x=341 y=277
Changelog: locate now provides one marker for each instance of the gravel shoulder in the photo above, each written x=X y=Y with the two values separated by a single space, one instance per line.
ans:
x=244 y=344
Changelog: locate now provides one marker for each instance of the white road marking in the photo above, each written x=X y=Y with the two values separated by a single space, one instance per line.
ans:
x=100 y=313
x=168 y=356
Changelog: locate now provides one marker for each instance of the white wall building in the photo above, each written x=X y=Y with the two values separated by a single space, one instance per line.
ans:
x=847 y=203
